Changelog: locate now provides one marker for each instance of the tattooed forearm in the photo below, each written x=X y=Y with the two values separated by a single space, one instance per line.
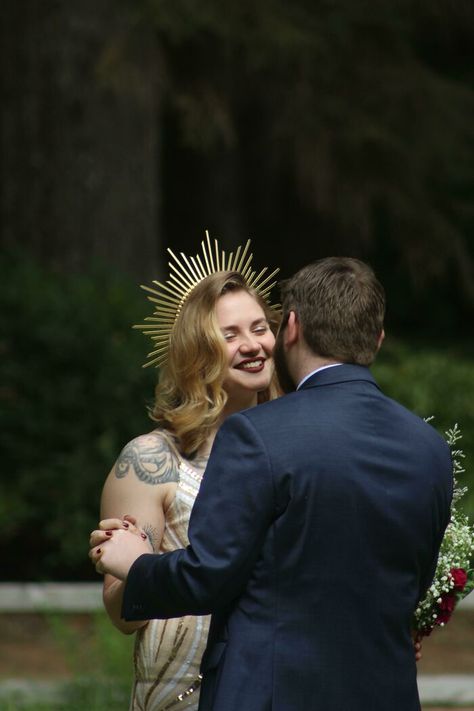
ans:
x=152 y=534
x=150 y=458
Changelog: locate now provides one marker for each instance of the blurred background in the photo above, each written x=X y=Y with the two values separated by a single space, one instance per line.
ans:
x=319 y=128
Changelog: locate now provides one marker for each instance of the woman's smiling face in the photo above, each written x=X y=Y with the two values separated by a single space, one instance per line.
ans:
x=249 y=341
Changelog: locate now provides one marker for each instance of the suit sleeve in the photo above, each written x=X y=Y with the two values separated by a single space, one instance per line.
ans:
x=229 y=521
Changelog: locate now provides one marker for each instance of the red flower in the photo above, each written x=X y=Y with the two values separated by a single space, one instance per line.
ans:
x=448 y=602
x=443 y=617
x=446 y=608
x=459 y=577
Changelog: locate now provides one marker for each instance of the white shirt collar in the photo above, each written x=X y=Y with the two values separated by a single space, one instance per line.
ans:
x=323 y=367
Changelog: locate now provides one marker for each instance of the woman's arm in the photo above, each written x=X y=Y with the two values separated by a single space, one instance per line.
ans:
x=141 y=484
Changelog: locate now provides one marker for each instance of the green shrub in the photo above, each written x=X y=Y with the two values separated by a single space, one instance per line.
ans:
x=434 y=382
x=73 y=392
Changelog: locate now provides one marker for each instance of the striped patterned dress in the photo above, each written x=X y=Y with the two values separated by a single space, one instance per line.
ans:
x=168 y=652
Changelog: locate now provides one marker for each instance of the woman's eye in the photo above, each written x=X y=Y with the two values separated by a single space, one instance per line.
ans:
x=261 y=329
x=229 y=336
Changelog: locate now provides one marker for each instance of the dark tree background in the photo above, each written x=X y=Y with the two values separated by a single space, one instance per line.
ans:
x=315 y=128
x=79 y=143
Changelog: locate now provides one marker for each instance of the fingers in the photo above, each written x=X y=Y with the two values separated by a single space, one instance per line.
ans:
x=101 y=535
x=98 y=537
x=101 y=540
x=108 y=525
x=417 y=645
x=111 y=523
x=95 y=555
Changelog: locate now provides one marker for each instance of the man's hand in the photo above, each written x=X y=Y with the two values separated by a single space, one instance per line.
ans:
x=117 y=554
x=417 y=645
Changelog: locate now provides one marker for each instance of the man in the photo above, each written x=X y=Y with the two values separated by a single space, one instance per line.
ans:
x=317 y=527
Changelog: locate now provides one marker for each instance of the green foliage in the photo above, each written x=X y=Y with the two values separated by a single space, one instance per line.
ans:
x=109 y=652
x=103 y=677
x=434 y=382
x=73 y=392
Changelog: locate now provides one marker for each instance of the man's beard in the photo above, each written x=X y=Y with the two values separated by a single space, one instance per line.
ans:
x=279 y=357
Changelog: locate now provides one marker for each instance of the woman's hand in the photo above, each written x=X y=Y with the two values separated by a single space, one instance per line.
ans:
x=119 y=551
x=108 y=525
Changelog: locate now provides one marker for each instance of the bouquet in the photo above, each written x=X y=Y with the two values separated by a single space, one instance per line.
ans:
x=454 y=578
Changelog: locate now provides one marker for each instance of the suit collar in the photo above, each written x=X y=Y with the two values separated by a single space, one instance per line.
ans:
x=342 y=374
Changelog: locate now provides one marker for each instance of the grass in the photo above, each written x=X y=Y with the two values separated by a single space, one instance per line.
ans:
x=78 y=695
x=100 y=659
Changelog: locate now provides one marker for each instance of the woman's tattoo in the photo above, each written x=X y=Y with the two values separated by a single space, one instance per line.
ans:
x=150 y=458
x=152 y=534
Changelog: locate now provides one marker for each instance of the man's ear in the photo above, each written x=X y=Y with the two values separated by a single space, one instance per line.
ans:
x=292 y=329
x=381 y=339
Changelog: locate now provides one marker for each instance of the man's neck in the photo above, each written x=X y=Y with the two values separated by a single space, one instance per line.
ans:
x=311 y=364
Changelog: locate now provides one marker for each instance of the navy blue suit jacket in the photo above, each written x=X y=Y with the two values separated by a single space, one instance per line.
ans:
x=315 y=533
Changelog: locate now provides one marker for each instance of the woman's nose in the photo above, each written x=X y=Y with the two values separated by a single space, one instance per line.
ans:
x=249 y=344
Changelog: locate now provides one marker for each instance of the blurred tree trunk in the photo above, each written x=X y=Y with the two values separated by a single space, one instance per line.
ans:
x=80 y=93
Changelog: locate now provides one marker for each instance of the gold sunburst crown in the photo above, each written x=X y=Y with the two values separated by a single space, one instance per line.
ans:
x=185 y=274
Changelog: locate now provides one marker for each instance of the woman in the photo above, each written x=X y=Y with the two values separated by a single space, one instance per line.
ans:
x=215 y=337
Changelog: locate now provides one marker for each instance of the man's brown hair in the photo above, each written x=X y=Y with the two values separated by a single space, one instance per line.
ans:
x=340 y=305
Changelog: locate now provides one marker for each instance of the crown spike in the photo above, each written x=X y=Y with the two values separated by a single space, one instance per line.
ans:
x=181 y=269
x=174 y=297
x=163 y=305
x=170 y=300
x=196 y=266
x=246 y=270
x=216 y=249
x=195 y=276
x=204 y=274
x=255 y=279
x=155 y=361
x=182 y=275
x=212 y=269
x=183 y=286
x=236 y=259
x=170 y=305
x=267 y=290
x=163 y=300
x=270 y=276
x=238 y=268
x=157 y=350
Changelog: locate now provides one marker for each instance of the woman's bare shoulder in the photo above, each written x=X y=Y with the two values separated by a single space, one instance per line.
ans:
x=152 y=458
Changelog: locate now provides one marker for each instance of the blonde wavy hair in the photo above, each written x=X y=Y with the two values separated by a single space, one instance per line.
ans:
x=189 y=397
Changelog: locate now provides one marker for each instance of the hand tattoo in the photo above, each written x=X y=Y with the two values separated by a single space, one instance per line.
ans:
x=152 y=534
